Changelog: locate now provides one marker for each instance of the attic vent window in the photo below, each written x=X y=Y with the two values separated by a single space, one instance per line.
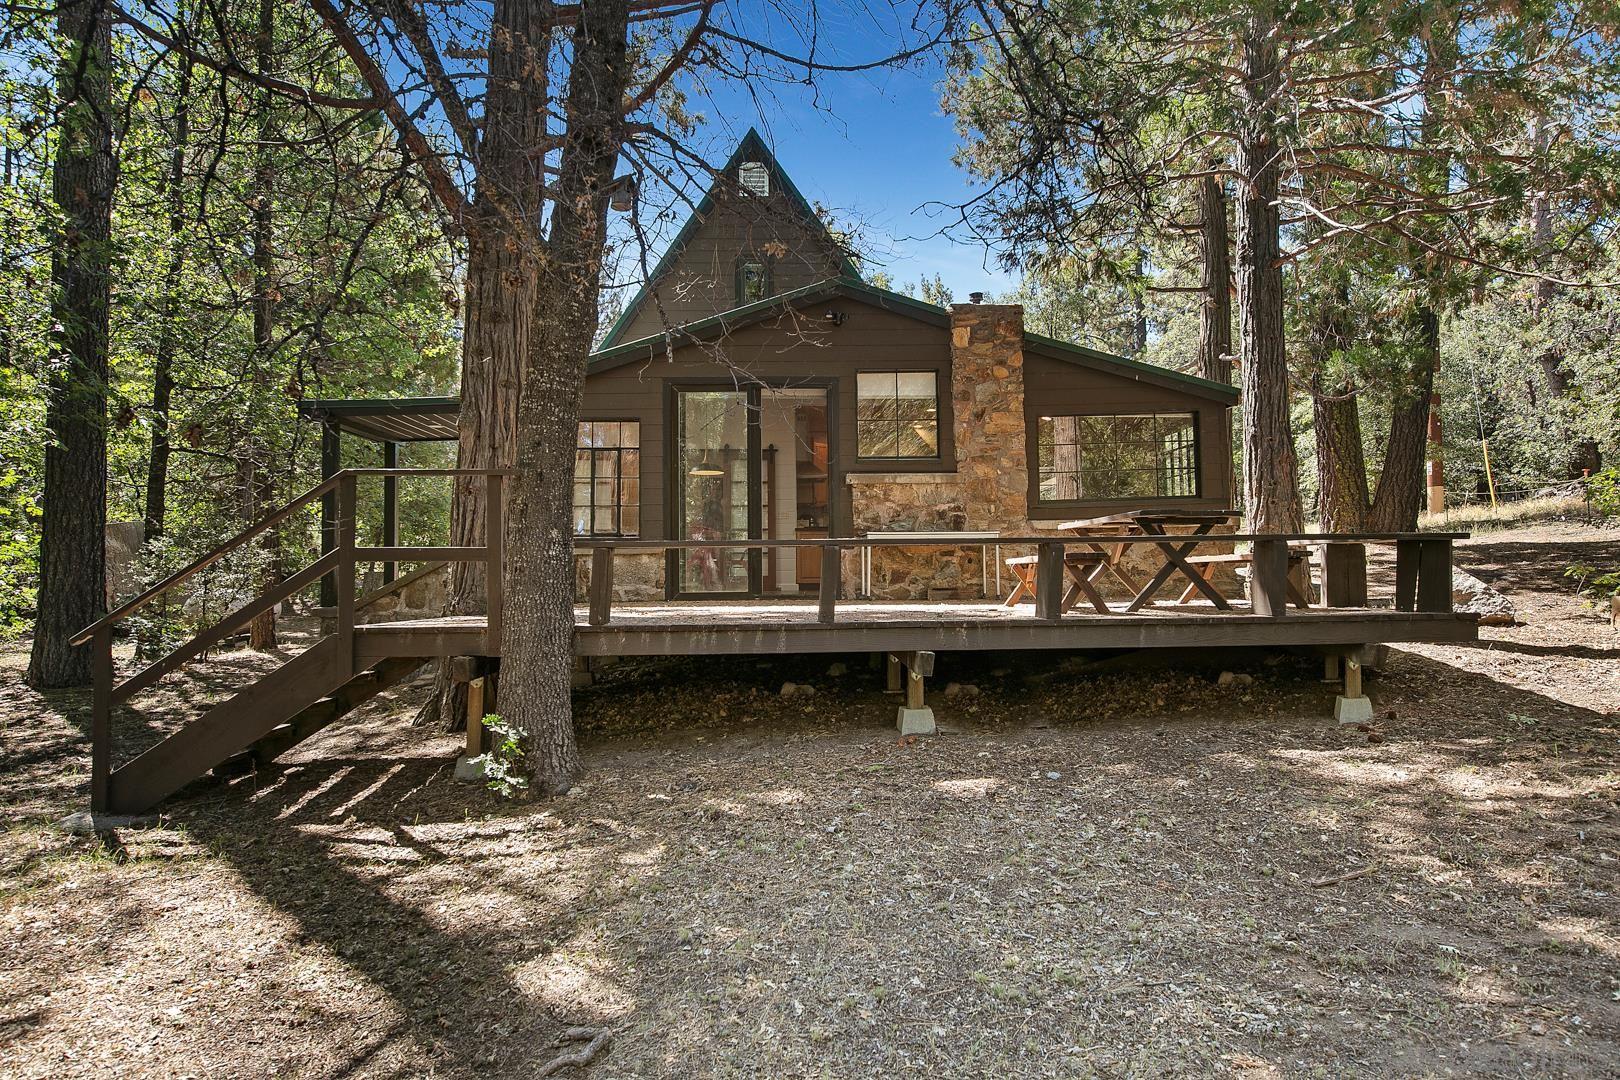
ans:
x=755 y=178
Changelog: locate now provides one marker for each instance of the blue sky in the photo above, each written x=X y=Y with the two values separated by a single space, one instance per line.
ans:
x=876 y=149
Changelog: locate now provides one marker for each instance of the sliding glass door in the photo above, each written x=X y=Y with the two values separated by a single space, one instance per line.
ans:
x=715 y=478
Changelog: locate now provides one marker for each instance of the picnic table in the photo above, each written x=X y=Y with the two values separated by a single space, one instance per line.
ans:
x=1176 y=548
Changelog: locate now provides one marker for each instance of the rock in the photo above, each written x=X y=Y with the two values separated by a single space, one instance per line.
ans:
x=837 y=670
x=1226 y=678
x=789 y=689
x=1054 y=776
x=953 y=689
x=1242 y=678
x=1471 y=595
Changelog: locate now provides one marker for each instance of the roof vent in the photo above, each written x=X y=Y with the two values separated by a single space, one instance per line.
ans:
x=755 y=178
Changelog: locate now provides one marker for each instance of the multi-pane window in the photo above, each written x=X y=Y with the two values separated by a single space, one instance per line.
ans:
x=755 y=178
x=753 y=280
x=607 y=478
x=897 y=414
x=1138 y=456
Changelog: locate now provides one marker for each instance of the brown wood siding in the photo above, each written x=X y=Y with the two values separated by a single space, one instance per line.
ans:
x=779 y=351
x=801 y=345
x=1055 y=387
x=703 y=279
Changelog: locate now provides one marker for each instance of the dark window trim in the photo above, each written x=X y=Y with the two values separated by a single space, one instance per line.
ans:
x=939 y=417
x=618 y=507
x=737 y=278
x=1033 y=437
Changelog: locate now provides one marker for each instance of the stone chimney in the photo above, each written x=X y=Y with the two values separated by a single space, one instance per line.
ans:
x=987 y=393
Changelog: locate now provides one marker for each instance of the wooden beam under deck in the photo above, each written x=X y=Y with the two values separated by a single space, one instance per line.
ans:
x=690 y=629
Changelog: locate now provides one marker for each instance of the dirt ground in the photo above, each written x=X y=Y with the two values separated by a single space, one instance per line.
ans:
x=1089 y=872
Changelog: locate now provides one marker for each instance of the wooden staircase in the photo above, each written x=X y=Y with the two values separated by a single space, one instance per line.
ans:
x=278 y=711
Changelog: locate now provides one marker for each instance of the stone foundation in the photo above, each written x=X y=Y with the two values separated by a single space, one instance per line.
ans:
x=638 y=576
x=421 y=594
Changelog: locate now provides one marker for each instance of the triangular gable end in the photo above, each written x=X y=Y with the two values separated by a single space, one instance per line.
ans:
x=698 y=274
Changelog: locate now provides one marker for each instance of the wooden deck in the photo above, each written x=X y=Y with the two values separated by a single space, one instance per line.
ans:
x=355 y=661
x=687 y=628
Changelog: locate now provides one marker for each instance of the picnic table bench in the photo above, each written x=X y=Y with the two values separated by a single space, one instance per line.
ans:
x=1176 y=550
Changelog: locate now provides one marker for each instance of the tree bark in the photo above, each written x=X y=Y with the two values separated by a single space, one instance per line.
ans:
x=537 y=644
x=1399 y=496
x=1215 y=312
x=258 y=485
x=1270 y=465
x=72 y=546
x=1341 y=460
x=157 y=461
x=500 y=300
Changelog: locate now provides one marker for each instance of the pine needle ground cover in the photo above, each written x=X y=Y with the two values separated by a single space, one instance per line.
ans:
x=1091 y=871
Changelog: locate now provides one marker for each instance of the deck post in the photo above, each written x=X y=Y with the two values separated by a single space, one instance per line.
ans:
x=344 y=572
x=1049 y=583
x=1268 y=578
x=466 y=769
x=101 y=720
x=331 y=462
x=1434 y=574
x=832 y=573
x=601 y=586
x=1353 y=706
x=891 y=673
x=914 y=716
x=494 y=559
x=390 y=507
x=1344 y=575
x=1407 y=550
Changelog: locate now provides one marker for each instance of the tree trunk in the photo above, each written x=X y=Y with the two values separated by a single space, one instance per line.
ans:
x=500 y=301
x=72 y=545
x=1584 y=453
x=537 y=646
x=259 y=492
x=1270 y=466
x=1215 y=311
x=1341 y=461
x=157 y=462
x=1399 y=496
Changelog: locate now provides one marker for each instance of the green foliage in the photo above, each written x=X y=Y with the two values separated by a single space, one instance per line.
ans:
x=1603 y=491
x=1593 y=581
x=502 y=763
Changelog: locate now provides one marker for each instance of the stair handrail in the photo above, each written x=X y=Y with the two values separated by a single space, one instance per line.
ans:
x=202 y=562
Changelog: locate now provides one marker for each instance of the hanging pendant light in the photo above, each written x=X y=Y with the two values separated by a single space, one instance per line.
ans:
x=707 y=468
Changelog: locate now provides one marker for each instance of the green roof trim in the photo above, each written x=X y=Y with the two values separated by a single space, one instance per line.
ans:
x=910 y=305
x=750 y=141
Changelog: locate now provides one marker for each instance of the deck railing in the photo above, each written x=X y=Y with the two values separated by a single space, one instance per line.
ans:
x=1422 y=565
x=1422 y=579
x=339 y=563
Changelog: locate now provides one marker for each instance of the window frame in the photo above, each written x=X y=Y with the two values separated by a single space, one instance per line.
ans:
x=620 y=502
x=939 y=417
x=767 y=264
x=1194 y=415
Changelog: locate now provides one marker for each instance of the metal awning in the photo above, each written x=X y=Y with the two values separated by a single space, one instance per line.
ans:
x=429 y=419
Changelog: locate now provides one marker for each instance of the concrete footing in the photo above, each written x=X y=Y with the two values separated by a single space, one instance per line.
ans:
x=1353 y=710
x=469 y=768
x=915 y=721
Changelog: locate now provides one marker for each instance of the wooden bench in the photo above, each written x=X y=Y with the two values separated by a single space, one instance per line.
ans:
x=1298 y=558
x=1082 y=568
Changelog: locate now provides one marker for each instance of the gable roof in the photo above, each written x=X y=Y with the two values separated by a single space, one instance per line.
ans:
x=612 y=356
x=751 y=148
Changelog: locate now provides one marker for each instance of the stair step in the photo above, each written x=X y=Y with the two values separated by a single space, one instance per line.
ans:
x=320 y=714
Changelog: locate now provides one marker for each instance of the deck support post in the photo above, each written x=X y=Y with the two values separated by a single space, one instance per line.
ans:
x=390 y=507
x=468 y=767
x=601 y=586
x=1049 y=583
x=914 y=717
x=1344 y=575
x=832 y=573
x=331 y=462
x=1268 y=578
x=1353 y=706
x=891 y=674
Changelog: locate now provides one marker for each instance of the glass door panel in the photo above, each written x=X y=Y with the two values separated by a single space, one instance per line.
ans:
x=713 y=489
